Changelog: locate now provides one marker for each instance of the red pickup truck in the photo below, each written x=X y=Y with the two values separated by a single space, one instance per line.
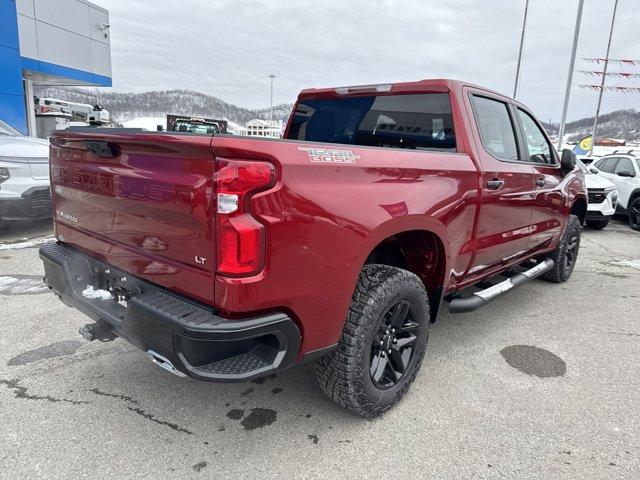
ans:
x=226 y=258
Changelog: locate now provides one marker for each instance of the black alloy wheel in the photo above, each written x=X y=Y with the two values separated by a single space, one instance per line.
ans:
x=571 y=252
x=393 y=346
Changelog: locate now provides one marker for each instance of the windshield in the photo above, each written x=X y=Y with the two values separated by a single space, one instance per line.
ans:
x=7 y=130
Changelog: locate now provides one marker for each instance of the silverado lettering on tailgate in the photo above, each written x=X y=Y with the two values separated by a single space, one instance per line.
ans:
x=134 y=188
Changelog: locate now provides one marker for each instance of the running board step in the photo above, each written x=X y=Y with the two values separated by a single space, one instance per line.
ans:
x=482 y=297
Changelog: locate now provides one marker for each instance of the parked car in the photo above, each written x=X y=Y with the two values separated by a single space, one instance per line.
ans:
x=24 y=177
x=623 y=170
x=227 y=258
x=603 y=199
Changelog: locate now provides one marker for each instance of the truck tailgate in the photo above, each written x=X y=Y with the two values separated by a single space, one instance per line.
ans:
x=141 y=202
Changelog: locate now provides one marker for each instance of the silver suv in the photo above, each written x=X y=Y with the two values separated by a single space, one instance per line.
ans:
x=24 y=176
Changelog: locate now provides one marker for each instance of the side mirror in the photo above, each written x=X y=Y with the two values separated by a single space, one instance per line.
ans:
x=593 y=170
x=626 y=173
x=567 y=160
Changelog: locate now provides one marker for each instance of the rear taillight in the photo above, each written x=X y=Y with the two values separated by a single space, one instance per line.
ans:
x=240 y=235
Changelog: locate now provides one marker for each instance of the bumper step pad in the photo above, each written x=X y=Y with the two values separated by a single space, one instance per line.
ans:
x=238 y=365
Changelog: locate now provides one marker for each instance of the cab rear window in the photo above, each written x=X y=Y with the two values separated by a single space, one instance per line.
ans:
x=415 y=121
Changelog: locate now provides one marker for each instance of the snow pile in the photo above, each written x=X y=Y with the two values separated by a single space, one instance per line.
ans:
x=21 y=286
x=148 y=123
x=628 y=263
x=28 y=244
x=89 y=292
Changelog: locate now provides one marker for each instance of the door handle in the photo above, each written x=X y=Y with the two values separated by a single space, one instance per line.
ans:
x=495 y=184
x=541 y=182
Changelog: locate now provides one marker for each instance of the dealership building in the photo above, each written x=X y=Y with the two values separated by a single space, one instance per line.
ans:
x=49 y=43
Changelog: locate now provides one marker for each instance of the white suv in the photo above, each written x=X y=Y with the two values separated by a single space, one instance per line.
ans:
x=24 y=176
x=603 y=199
x=624 y=171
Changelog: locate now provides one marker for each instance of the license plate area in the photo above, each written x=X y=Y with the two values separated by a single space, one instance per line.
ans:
x=108 y=290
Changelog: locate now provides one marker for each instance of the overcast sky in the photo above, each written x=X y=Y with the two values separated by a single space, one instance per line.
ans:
x=227 y=48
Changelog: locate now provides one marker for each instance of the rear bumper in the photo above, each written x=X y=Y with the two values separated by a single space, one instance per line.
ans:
x=598 y=215
x=198 y=342
x=33 y=204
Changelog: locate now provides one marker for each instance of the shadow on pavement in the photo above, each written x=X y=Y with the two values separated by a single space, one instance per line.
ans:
x=11 y=232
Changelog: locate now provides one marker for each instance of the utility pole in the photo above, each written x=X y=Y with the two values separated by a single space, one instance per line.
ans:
x=572 y=62
x=524 y=24
x=271 y=76
x=604 y=76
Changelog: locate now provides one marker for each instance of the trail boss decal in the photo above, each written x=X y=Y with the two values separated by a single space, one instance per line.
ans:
x=330 y=155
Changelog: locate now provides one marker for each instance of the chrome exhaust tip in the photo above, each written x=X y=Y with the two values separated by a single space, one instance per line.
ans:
x=164 y=362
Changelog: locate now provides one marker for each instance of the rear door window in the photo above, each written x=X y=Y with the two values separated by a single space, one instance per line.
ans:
x=420 y=121
x=496 y=128
x=624 y=165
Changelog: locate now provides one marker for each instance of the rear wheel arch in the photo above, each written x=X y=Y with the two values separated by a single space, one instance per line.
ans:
x=421 y=252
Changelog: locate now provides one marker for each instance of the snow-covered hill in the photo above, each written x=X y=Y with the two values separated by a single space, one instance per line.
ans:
x=623 y=124
x=155 y=105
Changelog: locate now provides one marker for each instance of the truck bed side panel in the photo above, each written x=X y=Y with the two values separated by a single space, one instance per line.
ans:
x=326 y=215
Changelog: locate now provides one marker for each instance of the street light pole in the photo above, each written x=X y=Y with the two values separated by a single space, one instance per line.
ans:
x=604 y=76
x=572 y=62
x=524 y=24
x=271 y=76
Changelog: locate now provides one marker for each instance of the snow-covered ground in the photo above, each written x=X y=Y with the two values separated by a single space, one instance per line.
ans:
x=600 y=151
x=148 y=123
x=25 y=244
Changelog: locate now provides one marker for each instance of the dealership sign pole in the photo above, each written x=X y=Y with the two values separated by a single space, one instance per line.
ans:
x=604 y=76
x=524 y=24
x=572 y=62
x=271 y=76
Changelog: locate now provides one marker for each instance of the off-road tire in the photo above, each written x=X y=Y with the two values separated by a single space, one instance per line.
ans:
x=344 y=375
x=633 y=211
x=561 y=271
x=597 y=224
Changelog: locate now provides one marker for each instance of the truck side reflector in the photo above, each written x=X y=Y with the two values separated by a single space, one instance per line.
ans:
x=240 y=237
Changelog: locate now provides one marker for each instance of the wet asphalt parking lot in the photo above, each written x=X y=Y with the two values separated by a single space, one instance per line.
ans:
x=542 y=383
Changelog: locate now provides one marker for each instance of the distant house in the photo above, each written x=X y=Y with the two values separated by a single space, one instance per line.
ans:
x=611 y=142
x=262 y=128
